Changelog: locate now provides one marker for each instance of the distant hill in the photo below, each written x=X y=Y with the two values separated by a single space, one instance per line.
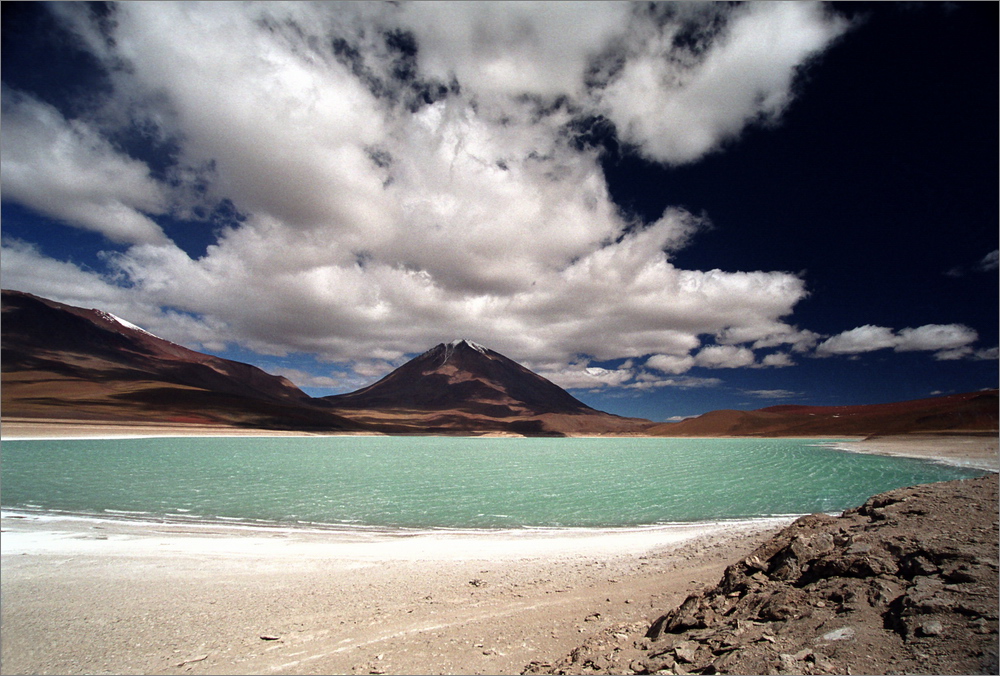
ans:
x=958 y=413
x=65 y=362
x=464 y=386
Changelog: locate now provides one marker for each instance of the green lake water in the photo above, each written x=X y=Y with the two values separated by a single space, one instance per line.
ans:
x=443 y=482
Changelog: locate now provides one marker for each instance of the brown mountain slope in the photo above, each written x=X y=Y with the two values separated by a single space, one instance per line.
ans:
x=65 y=362
x=464 y=387
x=973 y=411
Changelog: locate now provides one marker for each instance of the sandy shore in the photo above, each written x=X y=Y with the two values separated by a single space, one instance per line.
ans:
x=42 y=428
x=102 y=596
x=89 y=596
x=977 y=450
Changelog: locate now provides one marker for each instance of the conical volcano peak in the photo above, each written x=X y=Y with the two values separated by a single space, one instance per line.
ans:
x=463 y=344
x=468 y=343
x=462 y=375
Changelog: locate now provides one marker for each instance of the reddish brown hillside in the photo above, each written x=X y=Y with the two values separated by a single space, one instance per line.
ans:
x=972 y=411
x=65 y=362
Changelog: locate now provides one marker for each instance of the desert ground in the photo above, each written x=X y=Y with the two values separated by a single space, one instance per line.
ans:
x=114 y=597
x=101 y=596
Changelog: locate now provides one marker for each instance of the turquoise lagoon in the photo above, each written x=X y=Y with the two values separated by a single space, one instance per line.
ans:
x=447 y=483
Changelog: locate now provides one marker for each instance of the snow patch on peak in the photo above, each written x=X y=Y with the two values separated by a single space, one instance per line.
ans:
x=449 y=348
x=124 y=322
x=475 y=346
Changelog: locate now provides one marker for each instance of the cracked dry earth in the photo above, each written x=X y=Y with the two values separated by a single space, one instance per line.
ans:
x=907 y=583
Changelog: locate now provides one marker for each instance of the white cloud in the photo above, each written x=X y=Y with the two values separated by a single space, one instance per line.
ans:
x=934 y=337
x=867 y=338
x=27 y=269
x=677 y=106
x=777 y=360
x=948 y=341
x=687 y=382
x=724 y=357
x=306 y=379
x=773 y=394
x=670 y=363
x=397 y=196
x=583 y=376
x=67 y=170
x=512 y=48
x=716 y=357
x=987 y=353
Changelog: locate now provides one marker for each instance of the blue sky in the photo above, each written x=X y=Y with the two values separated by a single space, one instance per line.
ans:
x=666 y=209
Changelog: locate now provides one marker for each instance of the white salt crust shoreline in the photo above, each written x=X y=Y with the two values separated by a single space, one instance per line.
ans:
x=71 y=535
x=979 y=451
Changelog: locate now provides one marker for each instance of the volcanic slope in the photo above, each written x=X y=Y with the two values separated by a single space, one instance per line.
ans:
x=69 y=363
x=462 y=387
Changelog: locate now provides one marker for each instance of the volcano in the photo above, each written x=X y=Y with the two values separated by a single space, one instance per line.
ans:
x=464 y=375
x=464 y=386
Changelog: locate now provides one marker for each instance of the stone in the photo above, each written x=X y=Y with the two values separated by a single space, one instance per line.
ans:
x=782 y=605
x=199 y=658
x=686 y=651
x=788 y=664
x=842 y=634
x=930 y=628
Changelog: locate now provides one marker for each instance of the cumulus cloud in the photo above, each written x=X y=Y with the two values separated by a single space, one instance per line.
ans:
x=670 y=363
x=777 y=360
x=67 y=170
x=947 y=341
x=678 y=104
x=725 y=357
x=509 y=49
x=581 y=376
x=687 y=382
x=987 y=354
x=933 y=337
x=411 y=172
x=408 y=174
x=867 y=338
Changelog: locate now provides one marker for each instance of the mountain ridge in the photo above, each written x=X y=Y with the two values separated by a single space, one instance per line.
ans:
x=64 y=362
x=958 y=413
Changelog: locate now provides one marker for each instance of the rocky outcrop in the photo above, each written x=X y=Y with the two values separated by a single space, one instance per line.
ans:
x=906 y=583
